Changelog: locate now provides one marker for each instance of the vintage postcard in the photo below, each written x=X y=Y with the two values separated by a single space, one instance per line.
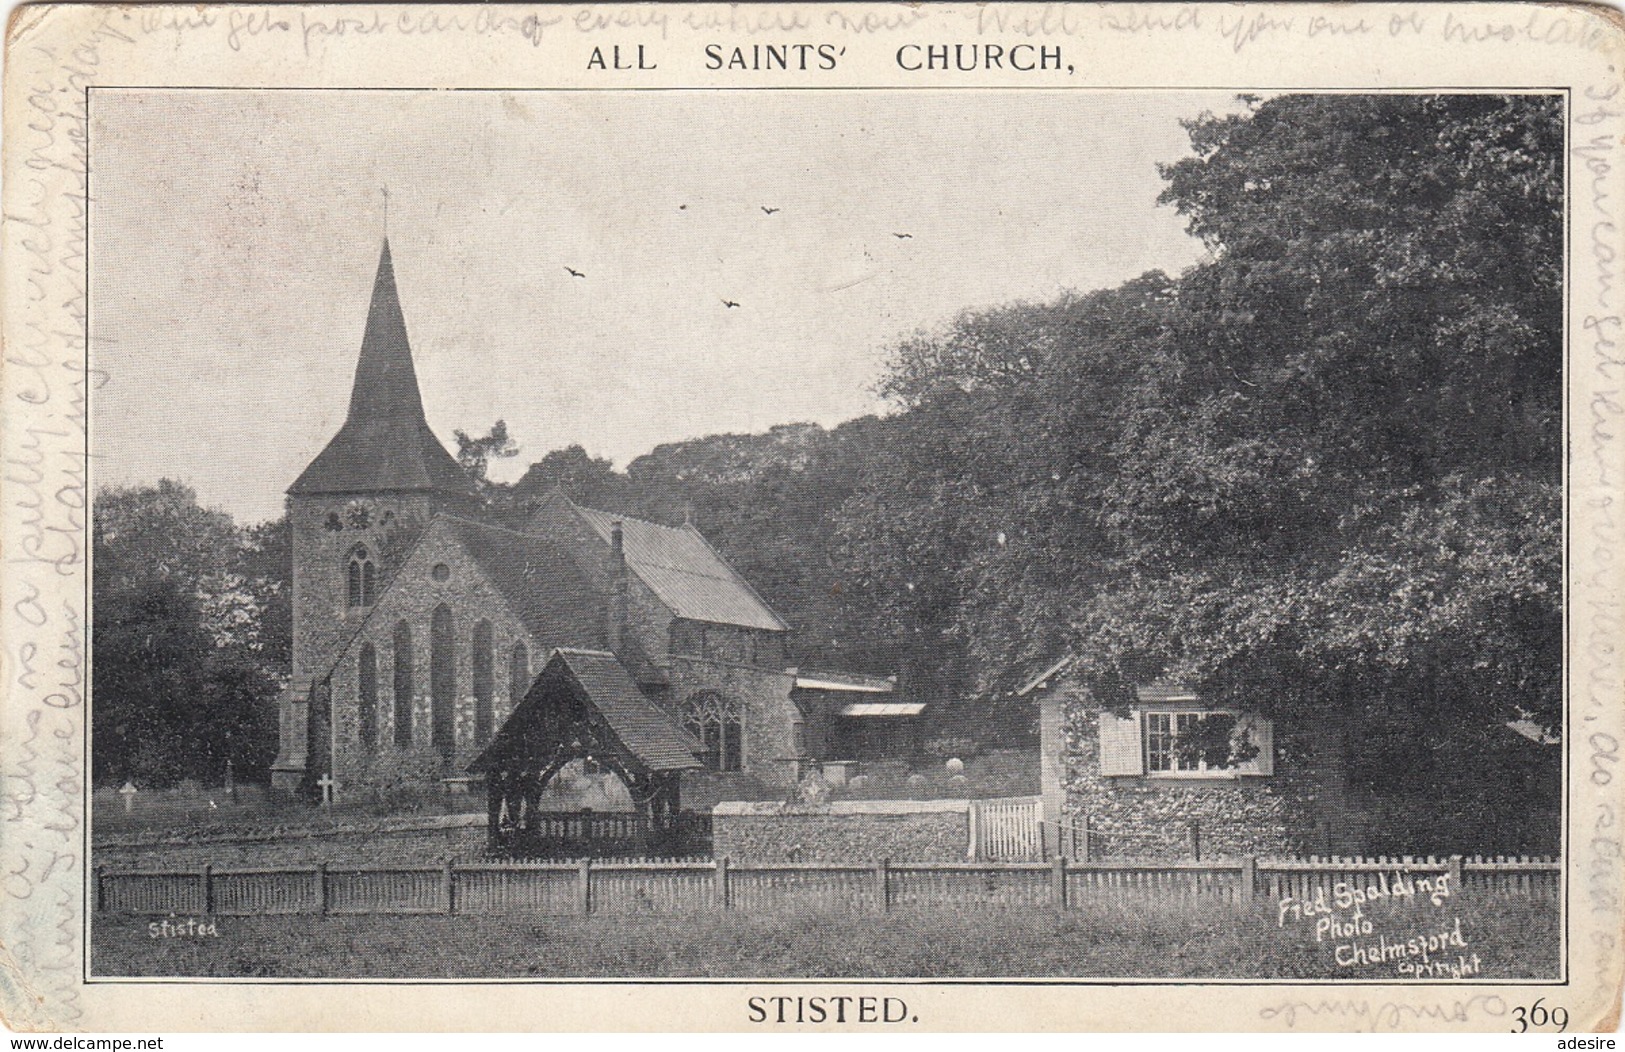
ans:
x=813 y=517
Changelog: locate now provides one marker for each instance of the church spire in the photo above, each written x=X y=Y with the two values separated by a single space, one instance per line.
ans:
x=386 y=384
x=385 y=443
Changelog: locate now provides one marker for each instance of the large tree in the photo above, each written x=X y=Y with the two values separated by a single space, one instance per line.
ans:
x=192 y=637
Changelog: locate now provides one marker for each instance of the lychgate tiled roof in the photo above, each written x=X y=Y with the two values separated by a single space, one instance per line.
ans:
x=640 y=724
x=685 y=572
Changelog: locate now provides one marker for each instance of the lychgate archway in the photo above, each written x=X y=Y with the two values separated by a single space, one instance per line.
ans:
x=584 y=706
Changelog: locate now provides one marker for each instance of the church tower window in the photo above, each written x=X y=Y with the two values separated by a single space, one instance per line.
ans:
x=367 y=705
x=403 y=685
x=363 y=577
x=715 y=721
x=481 y=664
x=442 y=681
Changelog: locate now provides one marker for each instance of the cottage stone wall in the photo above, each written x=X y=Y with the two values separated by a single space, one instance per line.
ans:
x=1293 y=811
x=413 y=597
x=844 y=831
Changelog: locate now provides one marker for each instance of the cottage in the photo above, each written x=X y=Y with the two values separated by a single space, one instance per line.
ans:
x=1172 y=772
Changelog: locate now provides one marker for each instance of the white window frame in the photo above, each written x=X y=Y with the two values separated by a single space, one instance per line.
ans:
x=1202 y=772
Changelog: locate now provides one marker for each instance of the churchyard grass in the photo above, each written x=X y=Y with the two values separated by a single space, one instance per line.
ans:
x=1513 y=938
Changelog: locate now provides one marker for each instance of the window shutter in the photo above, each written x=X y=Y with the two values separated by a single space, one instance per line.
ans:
x=1120 y=751
x=1262 y=732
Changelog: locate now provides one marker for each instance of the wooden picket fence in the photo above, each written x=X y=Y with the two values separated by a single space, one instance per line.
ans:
x=617 y=887
x=1007 y=830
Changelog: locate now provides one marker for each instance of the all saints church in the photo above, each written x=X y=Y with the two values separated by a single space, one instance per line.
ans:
x=433 y=642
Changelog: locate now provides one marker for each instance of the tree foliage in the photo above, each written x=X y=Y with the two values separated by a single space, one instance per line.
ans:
x=193 y=635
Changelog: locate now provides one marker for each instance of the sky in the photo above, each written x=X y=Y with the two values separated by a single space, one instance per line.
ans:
x=235 y=235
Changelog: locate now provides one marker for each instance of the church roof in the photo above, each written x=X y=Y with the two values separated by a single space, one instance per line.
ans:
x=385 y=443
x=646 y=731
x=539 y=581
x=685 y=572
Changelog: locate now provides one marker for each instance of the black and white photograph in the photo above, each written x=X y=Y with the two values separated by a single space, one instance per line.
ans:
x=1058 y=535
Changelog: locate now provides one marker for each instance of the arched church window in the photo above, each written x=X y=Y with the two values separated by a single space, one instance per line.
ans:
x=363 y=577
x=442 y=681
x=403 y=685
x=518 y=674
x=481 y=667
x=367 y=697
x=715 y=721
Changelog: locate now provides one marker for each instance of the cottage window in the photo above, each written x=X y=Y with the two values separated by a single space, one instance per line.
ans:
x=363 y=577
x=715 y=721
x=1186 y=743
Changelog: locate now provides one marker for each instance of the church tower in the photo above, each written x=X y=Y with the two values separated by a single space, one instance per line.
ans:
x=354 y=512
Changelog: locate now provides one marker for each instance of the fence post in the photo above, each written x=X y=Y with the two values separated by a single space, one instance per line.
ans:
x=1057 y=881
x=448 y=886
x=1455 y=874
x=584 y=885
x=1249 y=879
x=722 y=882
x=321 y=887
x=207 y=875
x=1193 y=834
x=1085 y=855
x=883 y=885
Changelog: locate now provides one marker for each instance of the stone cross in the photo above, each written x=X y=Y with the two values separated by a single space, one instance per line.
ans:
x=128 y=792
x=329 y=788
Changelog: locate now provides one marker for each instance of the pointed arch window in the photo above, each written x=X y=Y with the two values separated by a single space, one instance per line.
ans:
x=367 y=697
x=518 y=674
x=715 y=721
x=480 y=664
x=403 y=685
x=442 y=681
x=363 y=577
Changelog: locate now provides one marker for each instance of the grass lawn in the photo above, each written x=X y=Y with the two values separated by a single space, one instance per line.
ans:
x=1514 y=938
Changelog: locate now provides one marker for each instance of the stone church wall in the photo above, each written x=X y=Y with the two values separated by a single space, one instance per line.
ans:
x=412 y=597
x=767 y=712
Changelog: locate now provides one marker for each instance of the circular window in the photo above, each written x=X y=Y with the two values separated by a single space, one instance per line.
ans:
x=333 y=522
x=441 y=571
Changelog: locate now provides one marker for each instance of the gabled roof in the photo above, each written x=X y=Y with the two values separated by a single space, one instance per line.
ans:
x=685 y=572
x=385 y=443
x=643 y=728
x=1042 y=679
x=538 y=579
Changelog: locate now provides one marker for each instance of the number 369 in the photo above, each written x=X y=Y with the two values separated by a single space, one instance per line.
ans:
x=1537 y=1015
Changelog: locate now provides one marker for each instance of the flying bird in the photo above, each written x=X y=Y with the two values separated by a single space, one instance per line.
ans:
x=730 y=304
x=575 y=273
x=903 y=237
x=769 y=211
x=682 y=208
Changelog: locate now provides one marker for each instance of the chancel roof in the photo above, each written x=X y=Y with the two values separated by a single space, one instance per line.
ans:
x=685 y=572
x=385 y=443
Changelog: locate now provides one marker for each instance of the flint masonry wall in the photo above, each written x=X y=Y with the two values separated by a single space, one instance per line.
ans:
x=842 y=831
x=1285 y=813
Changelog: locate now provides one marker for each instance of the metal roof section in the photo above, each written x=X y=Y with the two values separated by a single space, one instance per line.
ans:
x=1165 y=690
x=846 y=682
x=685 y=572
x=882 y=708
